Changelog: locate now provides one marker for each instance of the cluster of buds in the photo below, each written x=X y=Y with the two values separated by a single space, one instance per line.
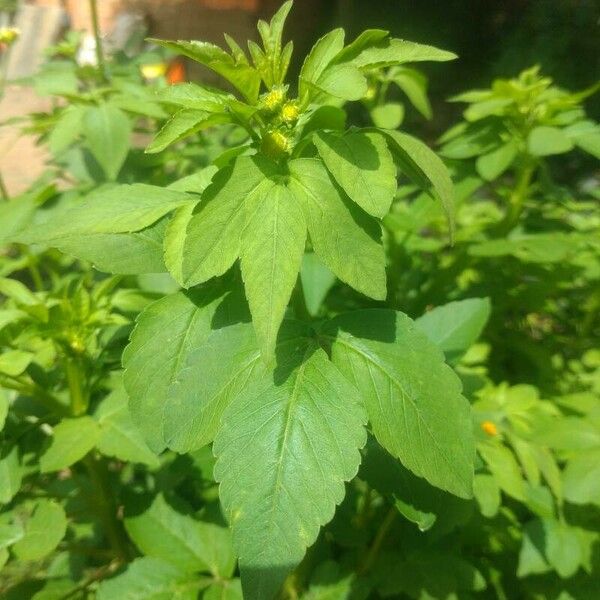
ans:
x=280 y=115
x=8 y=36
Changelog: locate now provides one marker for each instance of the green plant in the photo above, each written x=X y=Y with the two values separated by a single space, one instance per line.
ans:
x=240 y=409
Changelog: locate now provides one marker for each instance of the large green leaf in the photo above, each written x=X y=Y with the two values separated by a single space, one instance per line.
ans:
x=581 y=478
x=123 y=253
x=119 y=437
x=426 y=169
x=340 y=81
x=545 y=141
x=454 y=327
x=413 y=399
x=287 y=445
x=345 y=238
x=191 y=545
x=71 y=441
x=363 y=167
x=272 y=247
x=166 y=335
x=150 y=579
x=116 y=209
x=212 y=242
x=107 y=131
x=44 y=529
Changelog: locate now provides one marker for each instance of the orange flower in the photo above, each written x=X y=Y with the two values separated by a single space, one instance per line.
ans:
x=489 y=427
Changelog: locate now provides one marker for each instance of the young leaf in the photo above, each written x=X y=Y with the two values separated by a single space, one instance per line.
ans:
x=363 y=167
x=413 y=399
x=390 y=52
x=545 y=141
x=455 y=326
x=107 y=130
x=321 y=54
x=345 y=82
x=14 y=362
x=119 y=437
x=191 y=545
x=44 y=529
x=244 y=77
x=285 y=449
x=150 y=579
x=494 y=163
x=426 y=169
x=505 y=469
x=212 y=242
x=343 y=236
x=272 y=247
x=182 y=124
x=72 y=440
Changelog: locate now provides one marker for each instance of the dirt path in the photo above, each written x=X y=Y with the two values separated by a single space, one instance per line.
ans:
x=21 y=161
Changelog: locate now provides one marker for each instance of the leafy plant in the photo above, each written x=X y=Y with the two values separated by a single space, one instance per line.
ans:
x=290 y=383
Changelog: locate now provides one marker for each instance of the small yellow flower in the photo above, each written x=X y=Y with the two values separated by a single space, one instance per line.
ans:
x=489 y=428
x=153 y=70
x=9 y=35
x=273 y=99
x=290 y=112
x=371 y=93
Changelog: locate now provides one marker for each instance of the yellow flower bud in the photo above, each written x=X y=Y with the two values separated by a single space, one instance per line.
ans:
x=275 y=144
x=289 y=112
x=153 y=70
x=273 y=99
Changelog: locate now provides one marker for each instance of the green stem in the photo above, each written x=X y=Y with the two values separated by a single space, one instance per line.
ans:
x=79 y=400
x=107 y=509
x=35 y=391
x=98 y=39
x=518 y=197
x=380 y=536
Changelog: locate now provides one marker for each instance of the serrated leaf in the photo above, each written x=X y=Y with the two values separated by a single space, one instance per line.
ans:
x=414 y=84
x=119 y=437
x=44 y=529
x=72 y=439
x=122 y=253
x=116 y=209
x=189 y=544
x=167 y=334
x=150 y=579
x=285 y=449
x=317 y=60
x=455 y=326
x=244 y=77
x=212 y=242
x=273 y=243
x=363 y=167
x=106 y=130
x=390 y=52
x=415 y=407
x=345 y=238
x=182 y=124
x=426 y=169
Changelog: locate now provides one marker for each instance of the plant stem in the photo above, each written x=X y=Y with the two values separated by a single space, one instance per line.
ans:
x=378 y=541
x=98 y=39
x=517 y=199
x=79 y=400
x=107 y=509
